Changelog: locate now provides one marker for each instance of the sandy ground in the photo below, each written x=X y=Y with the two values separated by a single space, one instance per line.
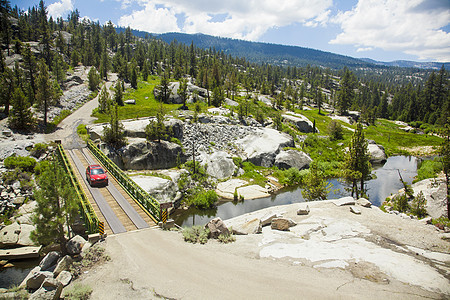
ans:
x=330 y=254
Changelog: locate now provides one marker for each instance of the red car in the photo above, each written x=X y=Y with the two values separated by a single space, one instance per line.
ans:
x=95 y=175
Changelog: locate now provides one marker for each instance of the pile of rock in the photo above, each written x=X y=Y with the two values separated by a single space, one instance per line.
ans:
x=47 y=280
x=13 y=195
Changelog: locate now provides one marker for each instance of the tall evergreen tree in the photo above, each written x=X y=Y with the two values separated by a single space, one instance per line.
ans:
x=118 y=93
x=21 y=116
x=46 y=94
x=114 y=133
x=346 y=93
x=103 y=100
x=357 y=165
x=56 y=206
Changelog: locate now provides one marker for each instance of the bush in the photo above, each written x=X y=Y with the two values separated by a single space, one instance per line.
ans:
x=204 y=199
x=78 y=292
x=176 y=141
x=24 y=163
x=196 y=234
x=41 y=167
x=418 y=206
x=39 y=149
x=291 y=176
x=400 y=203
x=335 y=130
x=226 y=238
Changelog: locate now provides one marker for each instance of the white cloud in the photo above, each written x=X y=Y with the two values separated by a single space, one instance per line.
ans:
x=410 y=26
x=58 y=9
x=247 y=19
x=364 y=49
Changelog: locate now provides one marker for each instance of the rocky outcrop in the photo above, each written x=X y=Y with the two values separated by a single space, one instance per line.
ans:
x=434 y=191
x=364 y=202
x=140 y=154
x=164 y=190
x=344 y=201
x=377 y=153
x=216 y=227
x=63 y=265
x=136 y=128
x=292 y=159
x=64 y=278
x=15 y=235
x=302 y=123
x=219 y=165
x=262 y=147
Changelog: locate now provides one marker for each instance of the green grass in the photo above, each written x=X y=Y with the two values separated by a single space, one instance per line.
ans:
x=143 y=107
x=428 y=169
x=253 y=174
x=393 y=139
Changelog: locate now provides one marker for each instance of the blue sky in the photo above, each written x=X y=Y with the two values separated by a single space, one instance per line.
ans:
x=383 y=30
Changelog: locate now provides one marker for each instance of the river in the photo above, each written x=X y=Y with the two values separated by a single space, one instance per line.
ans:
x=385 y=183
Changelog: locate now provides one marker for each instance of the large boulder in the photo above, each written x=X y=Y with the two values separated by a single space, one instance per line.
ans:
x=63 y=265
x=75 y=244
x=434 y=191
x=200 y=91
x=9 y=235
x=140 y=154
x=64 y=277
x=262 y=146
x=37 y=278
x=302 y=123
x=51 y=289
x=164 y=190
x=253 y=226
x=216 y=227
x=49 y=260
x=292 y=159
x=25 y=233
x=377 y=153
x=219 y=165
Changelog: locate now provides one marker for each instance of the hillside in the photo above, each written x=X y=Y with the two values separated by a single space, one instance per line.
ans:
x=258 y=52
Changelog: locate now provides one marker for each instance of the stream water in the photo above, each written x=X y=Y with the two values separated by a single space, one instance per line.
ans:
x=385 y=183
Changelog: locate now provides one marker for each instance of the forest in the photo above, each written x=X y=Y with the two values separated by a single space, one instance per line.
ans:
x=49 y=48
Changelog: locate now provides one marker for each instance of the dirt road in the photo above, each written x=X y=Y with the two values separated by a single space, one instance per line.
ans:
x=155 y=264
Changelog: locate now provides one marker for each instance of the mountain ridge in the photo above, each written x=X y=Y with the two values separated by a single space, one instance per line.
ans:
x=262 y=52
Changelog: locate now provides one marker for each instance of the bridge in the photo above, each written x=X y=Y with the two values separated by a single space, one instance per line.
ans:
x=119 y=207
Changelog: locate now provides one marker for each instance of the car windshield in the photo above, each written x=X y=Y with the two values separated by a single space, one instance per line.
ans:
x=97 y=171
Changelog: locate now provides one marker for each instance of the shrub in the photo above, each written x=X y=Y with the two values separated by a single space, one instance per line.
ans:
x=418 y=206
x=291 y=176
x=400 y=203
x=41 y=167
x=335 y=130
x=226 y=238
x=78 y=292
x=24 y=163
x=196 y=234
x=39 y=149
x=204 y=199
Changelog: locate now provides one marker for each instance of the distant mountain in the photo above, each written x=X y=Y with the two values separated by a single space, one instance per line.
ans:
x=267 y=53
x=280 y=54
x=409 y=64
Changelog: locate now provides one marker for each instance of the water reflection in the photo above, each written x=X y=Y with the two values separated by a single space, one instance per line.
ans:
x=386 y=183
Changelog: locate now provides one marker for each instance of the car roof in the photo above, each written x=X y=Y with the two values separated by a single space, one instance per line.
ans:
x=95 y=167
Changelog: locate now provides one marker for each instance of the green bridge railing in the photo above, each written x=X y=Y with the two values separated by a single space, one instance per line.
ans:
x=150 y=204
x=87 y=212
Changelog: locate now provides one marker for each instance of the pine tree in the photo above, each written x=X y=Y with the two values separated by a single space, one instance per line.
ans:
x=182 y=91
x=56 y=206
x=103 y=100
x=444 y=152
x=7 y=85
x=31 y=68
x=94 y=79
x=21 y=116
x=316 y=187
x=114 y=133
x=346 y=93
x=104 y=65
x=46 y=94
x=133 y=77
x=357 y=165
x=156 y=130
x=118 y=94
